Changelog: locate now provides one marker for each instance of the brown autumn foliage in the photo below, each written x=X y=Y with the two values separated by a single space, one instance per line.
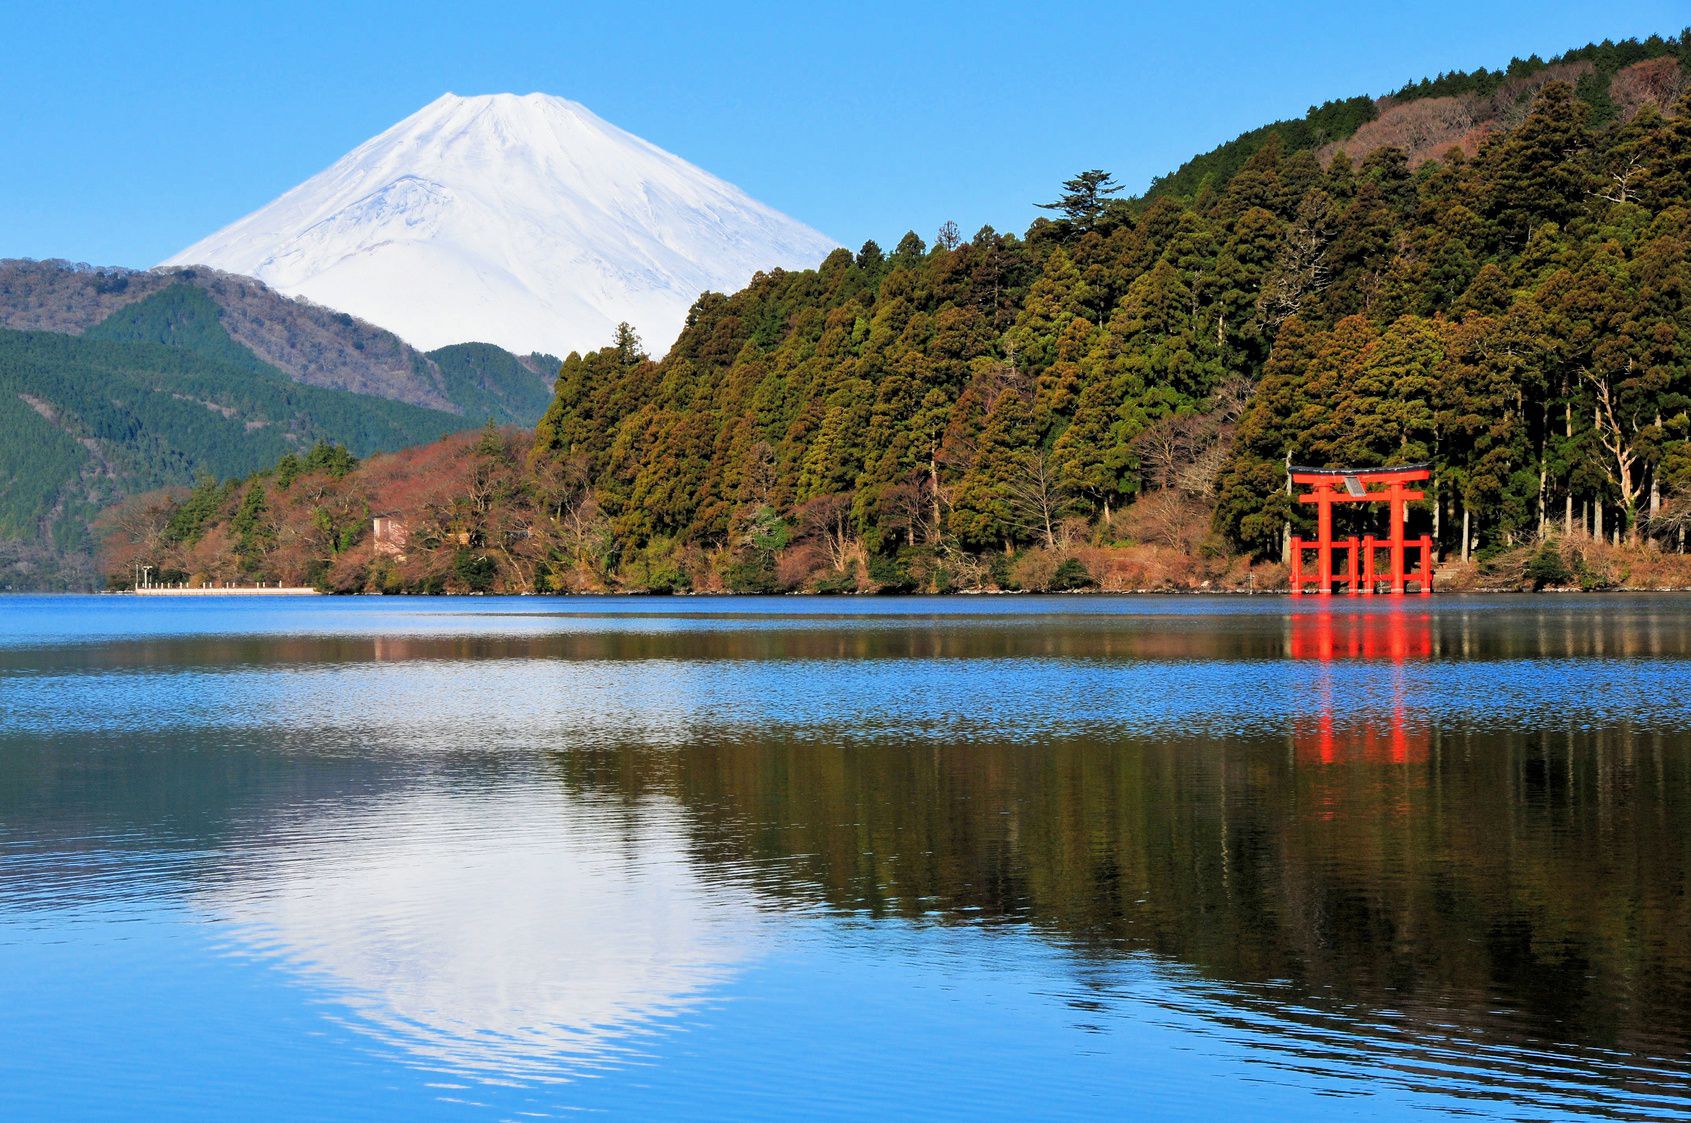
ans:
x=1426 y=128
x=474 y=519
x=1423 y=128
x=1658 y=82
x=1587 y=564
x=795 y=565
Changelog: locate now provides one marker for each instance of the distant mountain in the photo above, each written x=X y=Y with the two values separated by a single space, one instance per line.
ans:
x=116 y=381
x=522 y=221
x=252 y=324
x=488 y=381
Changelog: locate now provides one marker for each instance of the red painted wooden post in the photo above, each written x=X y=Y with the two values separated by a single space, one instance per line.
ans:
x=1395 y=501
x=1426 y=565
x=1368 y=578
x=1353 y=574
x=1324 y=539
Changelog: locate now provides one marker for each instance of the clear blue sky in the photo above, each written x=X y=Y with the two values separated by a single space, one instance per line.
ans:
x=132 y=129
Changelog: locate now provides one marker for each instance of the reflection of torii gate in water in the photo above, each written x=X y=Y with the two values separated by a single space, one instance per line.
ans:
x=1328 y=486
x=1396 y=637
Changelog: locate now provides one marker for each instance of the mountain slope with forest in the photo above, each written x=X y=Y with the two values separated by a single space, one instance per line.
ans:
x=89 y=420
x=115 y=381
x=1460 y=108
x=310 y=344
x=1113 y=397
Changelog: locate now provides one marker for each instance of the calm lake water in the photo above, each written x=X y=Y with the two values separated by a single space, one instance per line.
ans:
x=866 y=858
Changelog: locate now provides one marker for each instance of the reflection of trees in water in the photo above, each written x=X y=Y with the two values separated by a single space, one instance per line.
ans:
x=1361 y=857
x=1543 y=874
x=1449 y=628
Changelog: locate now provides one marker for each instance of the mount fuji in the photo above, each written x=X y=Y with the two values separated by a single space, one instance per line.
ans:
x=524 y=221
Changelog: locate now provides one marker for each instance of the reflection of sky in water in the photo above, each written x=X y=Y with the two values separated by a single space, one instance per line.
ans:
x=26 y=621
x=450 y=704
x=32 y=620
x=510 y=933
x=460 y=933
x=838 y=1019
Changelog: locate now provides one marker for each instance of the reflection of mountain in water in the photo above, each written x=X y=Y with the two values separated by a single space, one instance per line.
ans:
x=511 y=933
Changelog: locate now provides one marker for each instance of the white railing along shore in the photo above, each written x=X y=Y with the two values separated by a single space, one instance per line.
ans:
x=259 y=590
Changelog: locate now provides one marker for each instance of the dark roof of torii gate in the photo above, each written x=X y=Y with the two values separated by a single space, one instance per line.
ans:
x=1420 y=467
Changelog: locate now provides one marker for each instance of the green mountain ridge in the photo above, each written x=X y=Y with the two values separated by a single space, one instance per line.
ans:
x=181 y=317
x=308 y=343
x=145 y=386
x=488 y=382
x=87 y=420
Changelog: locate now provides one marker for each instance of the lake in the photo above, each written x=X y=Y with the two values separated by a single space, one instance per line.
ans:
x=966 y=858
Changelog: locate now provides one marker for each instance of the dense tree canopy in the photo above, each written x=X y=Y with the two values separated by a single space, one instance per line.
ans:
x=1517 y=318
x=1516 y=315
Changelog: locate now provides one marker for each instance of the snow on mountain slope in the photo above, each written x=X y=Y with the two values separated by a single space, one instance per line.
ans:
x=522 y=221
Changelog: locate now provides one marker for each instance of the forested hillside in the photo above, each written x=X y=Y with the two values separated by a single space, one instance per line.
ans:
x=486 y=381
x=85 y=421
x=139 y=380
x=1458 y=108
x=1114 y=397
x=250 y=323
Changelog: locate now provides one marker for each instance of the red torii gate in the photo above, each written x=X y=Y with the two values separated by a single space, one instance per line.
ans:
x=1328 y=486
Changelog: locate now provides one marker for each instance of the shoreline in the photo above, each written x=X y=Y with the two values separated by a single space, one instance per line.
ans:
x=212 y=591
x=1333 y=598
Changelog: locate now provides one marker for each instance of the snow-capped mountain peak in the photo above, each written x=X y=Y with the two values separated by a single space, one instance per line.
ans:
x=524 y=221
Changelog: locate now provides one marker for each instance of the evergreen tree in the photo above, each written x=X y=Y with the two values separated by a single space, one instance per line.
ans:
x=254 y=534
x=1085 y=199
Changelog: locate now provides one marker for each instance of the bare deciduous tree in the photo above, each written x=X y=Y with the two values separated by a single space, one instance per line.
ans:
x=1618 y=434
x=1168 y=519
x=1619 y=187
x=1657 y=81
x=1167 y=449
x=1300 y=268
x=1036 y=499
x=826 y=520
